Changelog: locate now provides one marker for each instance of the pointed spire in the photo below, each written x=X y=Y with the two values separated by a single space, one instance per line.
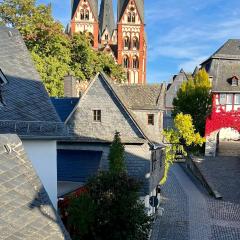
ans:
x=106 y=17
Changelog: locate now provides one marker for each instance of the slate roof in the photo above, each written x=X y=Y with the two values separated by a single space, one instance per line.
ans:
x=26 y=212
x=229 y=50
x=106 y=17
x=224 y=74
x=174 y=87
x=64 y=106
x=143 y=97
x=129 y=103
x=122 y=4
x=93 y=4
x=26 y=108
x=228 y=65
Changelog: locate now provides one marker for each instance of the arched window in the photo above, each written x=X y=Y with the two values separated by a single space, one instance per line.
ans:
x=126 y=43
x=106 y=37
x=125 y=62
x=135 y=62
x=86 y=14
x=135 y=43
x=82 y=14
x=129 y=17
x=133 y=17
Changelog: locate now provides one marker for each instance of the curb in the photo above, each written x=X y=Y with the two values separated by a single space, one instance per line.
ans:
x=192 y=166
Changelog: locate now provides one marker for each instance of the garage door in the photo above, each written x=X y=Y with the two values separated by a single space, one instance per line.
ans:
x=77 y=166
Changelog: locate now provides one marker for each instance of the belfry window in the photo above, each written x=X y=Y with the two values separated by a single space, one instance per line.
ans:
x=126 y=62
x=126 y=43
x=135 y=62
x=133 y=17
x=82 y=14
x=129 y=17
x=106 y=37
x=86 y=14
x=135 y=43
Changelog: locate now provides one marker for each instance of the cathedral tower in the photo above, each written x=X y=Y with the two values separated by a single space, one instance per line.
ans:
x=125 y=41
x=131 y=39
x=84 y=18
x=107 y=26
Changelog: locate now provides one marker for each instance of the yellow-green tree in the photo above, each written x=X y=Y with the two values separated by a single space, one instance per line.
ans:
x=194 y=98
x=180 y=140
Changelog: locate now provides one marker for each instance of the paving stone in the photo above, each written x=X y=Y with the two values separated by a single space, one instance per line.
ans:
x=191 y=214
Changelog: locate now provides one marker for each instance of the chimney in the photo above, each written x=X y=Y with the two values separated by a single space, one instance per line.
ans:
x=69 y=86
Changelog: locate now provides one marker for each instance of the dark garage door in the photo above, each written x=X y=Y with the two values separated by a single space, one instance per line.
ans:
x=77 y=166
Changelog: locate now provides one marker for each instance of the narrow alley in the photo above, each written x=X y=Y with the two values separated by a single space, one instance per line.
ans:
x=191 y=214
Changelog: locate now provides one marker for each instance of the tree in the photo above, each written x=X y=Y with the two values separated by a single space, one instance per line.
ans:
x=118 y=212
x=55 y=53
x=194 y=98
x=110 y=208
x=183 y=139
x=116 y=155
x=44 y=38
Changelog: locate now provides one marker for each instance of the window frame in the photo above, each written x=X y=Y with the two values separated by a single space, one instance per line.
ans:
x=97 y=115
x=151 y=122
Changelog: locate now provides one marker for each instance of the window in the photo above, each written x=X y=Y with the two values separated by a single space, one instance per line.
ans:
x=129 y=17
x=237 y=99
x=154 y=161
x=86 y=14
x=135 y=62
x=106 y=37
x=126 y=43
x=126 y=62
x=234 y=82
x=230 y=99
x=82 y=14
x=97 y=116
x=223 y=99
x=133 y=17
x=150 y=119
x=135 y=43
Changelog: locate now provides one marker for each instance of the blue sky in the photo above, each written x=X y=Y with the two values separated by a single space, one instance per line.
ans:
x=181 y=33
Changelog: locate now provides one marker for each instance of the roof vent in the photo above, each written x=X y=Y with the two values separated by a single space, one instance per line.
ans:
x=8 y=148
x=10 y=34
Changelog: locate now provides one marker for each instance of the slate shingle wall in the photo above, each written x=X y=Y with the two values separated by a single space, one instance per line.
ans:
x=114 y=118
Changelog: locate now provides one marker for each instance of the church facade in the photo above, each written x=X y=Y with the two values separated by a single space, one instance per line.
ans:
x=125 y=39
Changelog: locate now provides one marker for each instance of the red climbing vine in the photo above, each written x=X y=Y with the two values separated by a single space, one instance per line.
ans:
x=222 y=119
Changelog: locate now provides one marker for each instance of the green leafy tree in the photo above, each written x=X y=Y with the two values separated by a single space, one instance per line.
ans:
x=116 y=155
x=183 y=139
x=110 y=208
x=55 y=53
x=118 y=212
x=194 y=98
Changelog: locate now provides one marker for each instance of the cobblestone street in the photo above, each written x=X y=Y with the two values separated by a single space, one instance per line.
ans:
x=191 y=214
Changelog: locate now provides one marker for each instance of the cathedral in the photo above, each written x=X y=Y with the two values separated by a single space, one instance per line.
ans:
x=125 y=39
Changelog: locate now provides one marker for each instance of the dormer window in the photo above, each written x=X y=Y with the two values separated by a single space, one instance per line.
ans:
x=234 y=81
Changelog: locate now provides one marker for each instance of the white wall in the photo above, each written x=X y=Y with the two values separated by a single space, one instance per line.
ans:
x=43 y=154
x=227 y=134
